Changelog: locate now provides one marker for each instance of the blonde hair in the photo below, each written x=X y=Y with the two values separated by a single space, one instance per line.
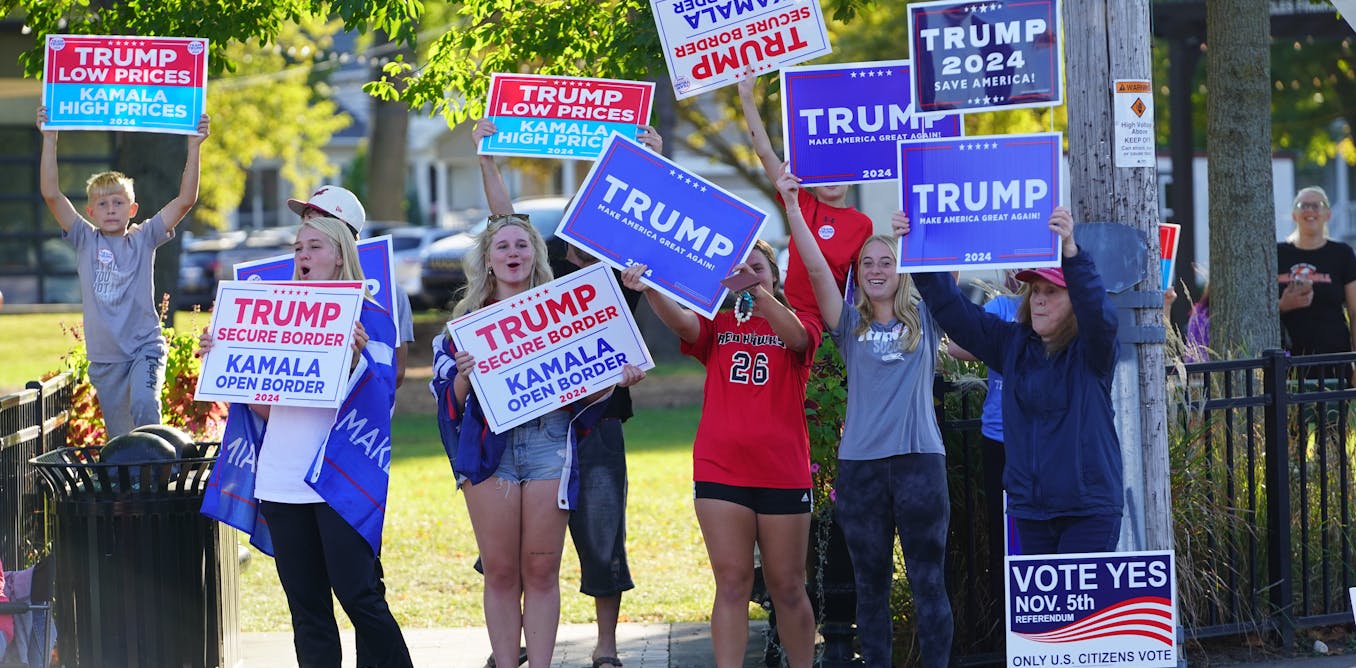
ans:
x=1064 y=333
x=110 y=183
x=480 y=283
x=904 y=308
x=1323 y=194
x=337 y=231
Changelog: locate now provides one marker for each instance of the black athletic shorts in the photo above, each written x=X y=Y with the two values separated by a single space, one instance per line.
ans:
x=761 y=500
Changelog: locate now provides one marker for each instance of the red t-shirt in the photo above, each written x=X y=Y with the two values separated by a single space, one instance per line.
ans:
x=840 y=233
x=752 y=431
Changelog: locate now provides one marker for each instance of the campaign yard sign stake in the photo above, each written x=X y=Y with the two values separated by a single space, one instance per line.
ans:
x=146 y=84
x=1092 y=609
x=562 y=117
x=1168 y=235
x=373 y=254
x=281 y=343
x=545 y=348
x=979 y=202
x=635 y=206
x=713 y=43
x=842 y=123
x=986 y=56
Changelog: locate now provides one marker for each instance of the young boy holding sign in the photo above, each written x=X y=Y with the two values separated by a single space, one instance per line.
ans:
x=114 y=260
x=839 y=228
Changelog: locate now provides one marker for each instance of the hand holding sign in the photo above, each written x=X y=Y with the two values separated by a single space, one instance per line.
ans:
x=1061 y=223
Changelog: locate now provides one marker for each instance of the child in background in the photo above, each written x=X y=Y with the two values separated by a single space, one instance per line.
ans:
x=114 y=260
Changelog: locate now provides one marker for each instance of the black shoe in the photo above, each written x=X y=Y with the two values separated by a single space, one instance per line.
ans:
x=522 y=658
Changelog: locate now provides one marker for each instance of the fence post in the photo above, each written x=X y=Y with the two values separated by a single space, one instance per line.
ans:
x=1274 y=373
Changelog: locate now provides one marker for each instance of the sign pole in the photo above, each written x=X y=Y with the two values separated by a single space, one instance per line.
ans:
x=1099 y=190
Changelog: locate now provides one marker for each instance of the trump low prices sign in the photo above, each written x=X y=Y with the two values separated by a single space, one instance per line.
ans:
x=149 y=84
x=1099 y=609
x=281 y=343
x=979 y=202
x=547 y=347
x=562 y=117
x=637 y=207
x=843 y=123
x=713 y=43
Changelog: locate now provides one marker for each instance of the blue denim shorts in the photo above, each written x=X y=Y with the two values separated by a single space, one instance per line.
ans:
x=536 y=449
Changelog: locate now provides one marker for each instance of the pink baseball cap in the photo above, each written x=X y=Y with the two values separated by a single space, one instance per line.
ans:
x=1053 y=274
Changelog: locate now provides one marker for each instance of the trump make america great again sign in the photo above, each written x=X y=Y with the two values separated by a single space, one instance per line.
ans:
x=148 y=84
x=979 y=202
x=637 y=207
x=545 y=348
x=1102 y=609
x=842 y=123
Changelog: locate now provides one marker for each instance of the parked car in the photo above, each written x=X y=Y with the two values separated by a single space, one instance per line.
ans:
x=198 y=263
x=257 y=245
x=407 y=248
x=442 y=272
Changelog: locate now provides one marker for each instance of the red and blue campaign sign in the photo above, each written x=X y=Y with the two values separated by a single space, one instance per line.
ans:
x=562 y=117
x=986 y=56
x=636 y=206
x=979 y=202
x=545 y=348
x=1098 y=609
x=712 y=43
x=842 y=123
x=148 y=84
x=1168 y=234
x=373 y=254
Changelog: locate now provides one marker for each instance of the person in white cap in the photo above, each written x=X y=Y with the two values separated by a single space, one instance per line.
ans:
x=341 y=203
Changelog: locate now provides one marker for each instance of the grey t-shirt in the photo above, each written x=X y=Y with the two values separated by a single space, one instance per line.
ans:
x=889 y=404
x=116 y=288
x=404 y=328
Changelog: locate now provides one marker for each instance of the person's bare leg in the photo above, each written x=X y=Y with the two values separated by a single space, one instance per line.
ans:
x=607 y=609
x=729 y=530
x=495 y=507
x=783 y=541
x=543 y=541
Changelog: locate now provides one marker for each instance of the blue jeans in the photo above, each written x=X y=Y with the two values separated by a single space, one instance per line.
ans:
x=598 y=523
x=907 y=495
x=1070 y=534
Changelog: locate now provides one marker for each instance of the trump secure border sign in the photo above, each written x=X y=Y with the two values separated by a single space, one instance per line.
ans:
x=979 y=202
x=374 y=255
x=637 y=207
x=549 y=346
x=147 y=84
x=562 y=117
x=841 y=123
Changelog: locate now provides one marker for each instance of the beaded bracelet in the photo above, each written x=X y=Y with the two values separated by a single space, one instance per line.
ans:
x=743 y=307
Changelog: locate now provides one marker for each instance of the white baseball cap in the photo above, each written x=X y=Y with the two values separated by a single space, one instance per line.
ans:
x=335 y=202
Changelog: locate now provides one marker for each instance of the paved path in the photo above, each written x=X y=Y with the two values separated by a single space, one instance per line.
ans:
x=640 y=646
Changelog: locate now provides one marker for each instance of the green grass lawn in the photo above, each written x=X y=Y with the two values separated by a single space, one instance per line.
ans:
x=428 y=546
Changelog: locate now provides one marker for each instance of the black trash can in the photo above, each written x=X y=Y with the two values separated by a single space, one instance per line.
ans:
x=142 y=579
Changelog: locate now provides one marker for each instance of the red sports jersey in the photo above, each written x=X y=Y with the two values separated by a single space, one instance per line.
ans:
x=840 y=233
x=752 y=431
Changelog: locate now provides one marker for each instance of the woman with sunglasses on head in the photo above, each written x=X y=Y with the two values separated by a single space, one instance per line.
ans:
x=516 y=484
x=1317 y=279
x=1063 y=471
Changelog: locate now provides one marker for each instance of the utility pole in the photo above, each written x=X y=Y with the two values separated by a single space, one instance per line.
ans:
x=1112 y=42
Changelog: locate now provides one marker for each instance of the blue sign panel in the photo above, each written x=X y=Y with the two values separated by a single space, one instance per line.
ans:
x=373 y=254
x=636 y=206
x=980 y=202
x=841 y=123
x=986 y=56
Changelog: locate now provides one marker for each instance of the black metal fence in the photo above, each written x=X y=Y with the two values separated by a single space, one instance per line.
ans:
x=32 y=421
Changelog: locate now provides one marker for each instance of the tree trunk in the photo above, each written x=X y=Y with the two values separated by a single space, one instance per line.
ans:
x=1244 y=319
x=1105 y=41
x=386 y=148
x=155 y=162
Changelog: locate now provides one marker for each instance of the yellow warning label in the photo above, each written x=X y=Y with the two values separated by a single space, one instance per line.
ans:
x=1138 y=107
x=1132 y=87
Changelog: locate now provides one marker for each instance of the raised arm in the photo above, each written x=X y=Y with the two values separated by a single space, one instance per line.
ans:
x=783 y=320
x=48 y=183
x=822 y=281
x=762 y=144
x=683 y=322
x=496 y=194
x=179 y=207
x=1097 y=322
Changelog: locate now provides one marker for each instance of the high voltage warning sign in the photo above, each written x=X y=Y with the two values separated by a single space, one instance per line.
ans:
x=1134 y=123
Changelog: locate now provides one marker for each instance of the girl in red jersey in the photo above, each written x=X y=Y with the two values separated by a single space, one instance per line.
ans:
x=751 y=463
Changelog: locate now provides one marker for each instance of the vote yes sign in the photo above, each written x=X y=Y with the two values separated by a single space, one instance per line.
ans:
x=149 y=84
x=562 y=117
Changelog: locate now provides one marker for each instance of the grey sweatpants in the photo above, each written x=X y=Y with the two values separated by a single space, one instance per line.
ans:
x=129 y=392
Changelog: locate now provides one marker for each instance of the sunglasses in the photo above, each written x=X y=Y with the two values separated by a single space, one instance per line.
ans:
x=1311 y=206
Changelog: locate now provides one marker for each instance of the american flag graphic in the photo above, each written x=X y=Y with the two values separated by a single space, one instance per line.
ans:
x=1147 y=616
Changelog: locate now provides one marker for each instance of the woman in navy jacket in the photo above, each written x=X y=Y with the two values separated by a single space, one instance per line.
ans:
x=1063 y=473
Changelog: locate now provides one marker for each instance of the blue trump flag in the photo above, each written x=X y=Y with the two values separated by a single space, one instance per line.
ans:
x=842 y=123
x=637 y=207
x=979 y=202
x=351 y=471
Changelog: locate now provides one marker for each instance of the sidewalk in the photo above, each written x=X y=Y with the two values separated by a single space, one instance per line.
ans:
x=640 y=646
